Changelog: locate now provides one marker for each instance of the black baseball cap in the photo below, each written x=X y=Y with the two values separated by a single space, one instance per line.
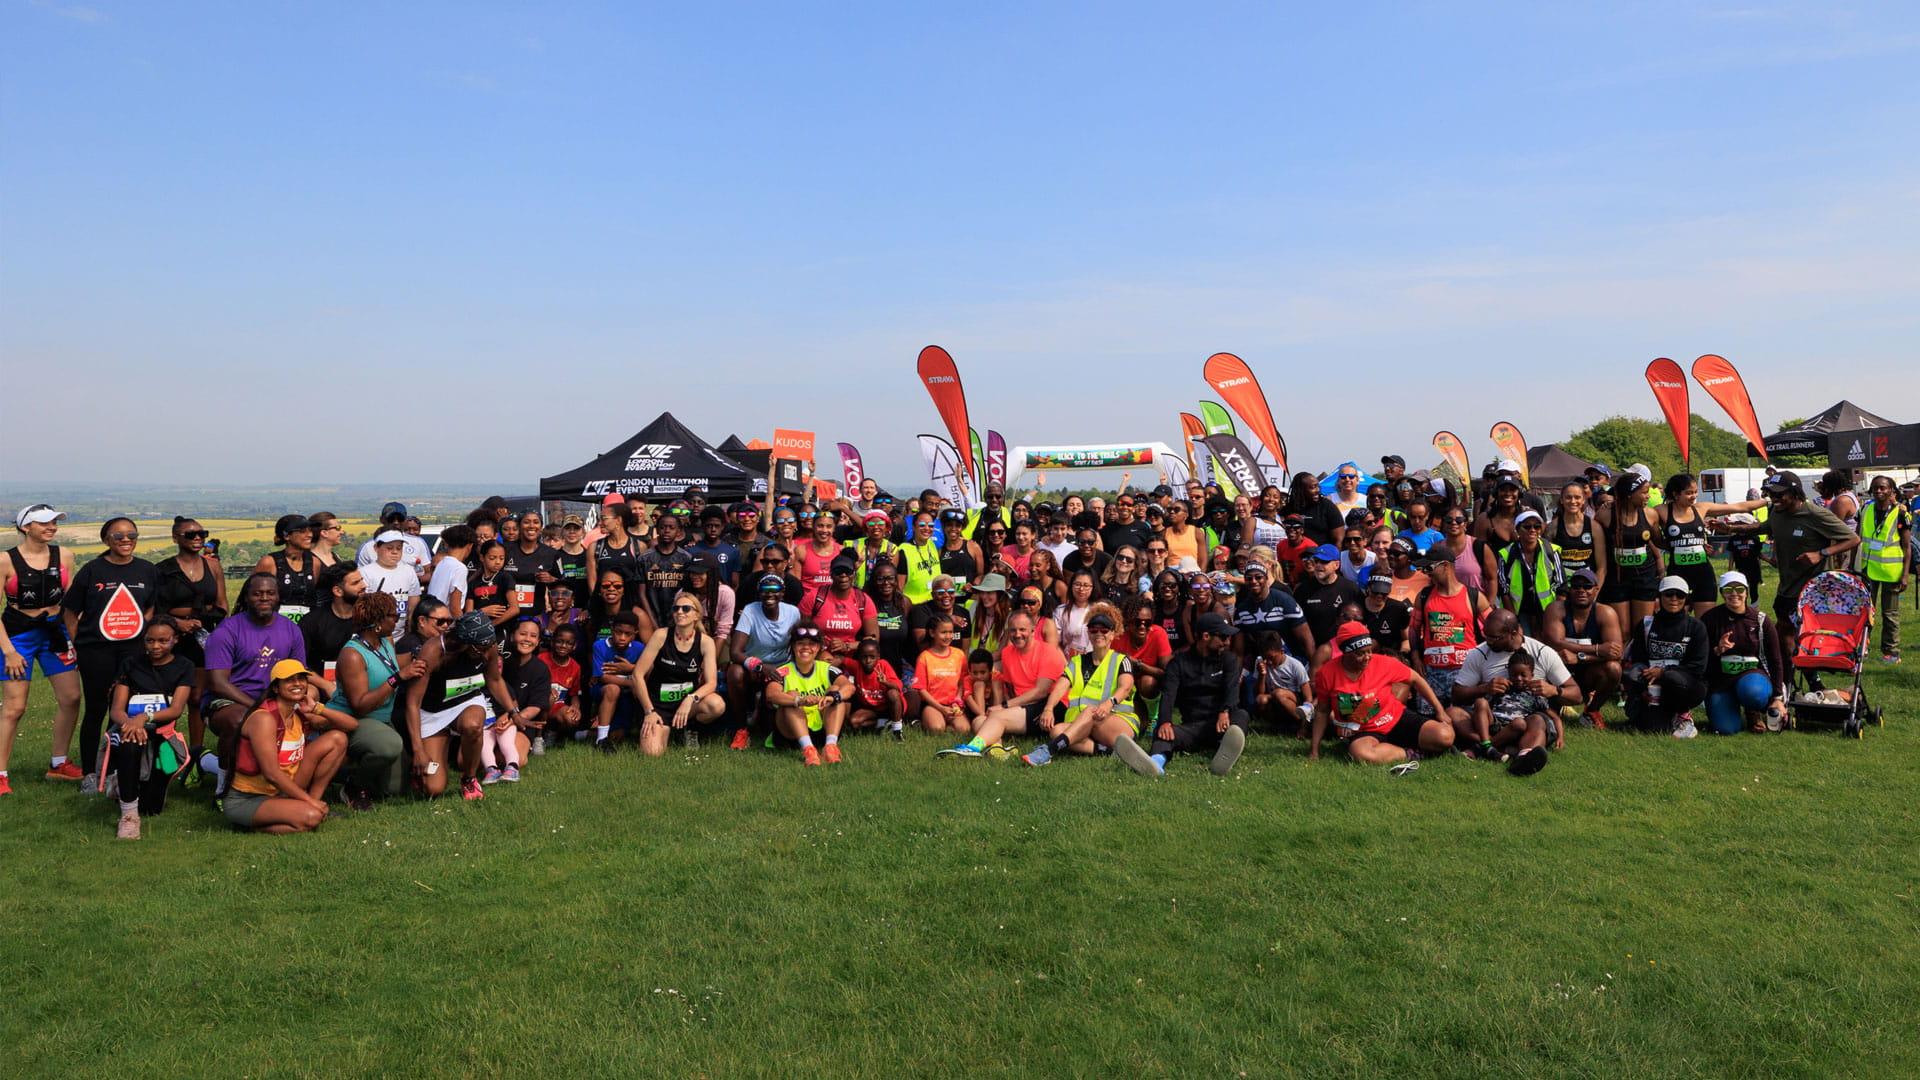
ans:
x=393 y=511
x=1393 y=459
x=1785 y=480
x=1212 y=623
x=1162 y=490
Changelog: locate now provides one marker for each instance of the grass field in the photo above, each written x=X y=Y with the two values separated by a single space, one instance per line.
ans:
x=1721 y=907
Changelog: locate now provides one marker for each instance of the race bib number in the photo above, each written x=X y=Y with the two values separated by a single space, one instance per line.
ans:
x=294 y=612
x=671 y=693
x=1636 y=556
x=146 y=703
x=562 y=694
x=464 y=685
x=327 y=669
x=1731 y=664
x=523 y=595
x=1690 y=552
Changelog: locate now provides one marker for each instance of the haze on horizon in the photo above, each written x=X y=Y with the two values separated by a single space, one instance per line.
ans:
x=251 y=244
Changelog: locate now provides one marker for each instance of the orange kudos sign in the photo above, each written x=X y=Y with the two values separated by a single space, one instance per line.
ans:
x=793 y=445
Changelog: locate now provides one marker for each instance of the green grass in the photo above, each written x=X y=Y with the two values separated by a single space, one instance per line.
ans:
x=1720 y=907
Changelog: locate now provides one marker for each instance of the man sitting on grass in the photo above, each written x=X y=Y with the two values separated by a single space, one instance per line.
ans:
x=1028 y=668
x=1485 y=672
x=1364 y=696
x=1199 y=710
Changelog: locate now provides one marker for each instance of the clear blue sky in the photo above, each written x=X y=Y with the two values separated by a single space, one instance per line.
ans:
x=282 y=242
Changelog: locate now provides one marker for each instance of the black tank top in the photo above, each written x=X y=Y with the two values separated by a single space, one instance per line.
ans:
x=1687 y=541
x=958 y=564
x=623 y=560
x=1576 y=546
x=1633 y=546
x=35 y=588
x=176 y=590
x=296 y=586
x=461 y=678
x=675 y=672
x=1581 y=634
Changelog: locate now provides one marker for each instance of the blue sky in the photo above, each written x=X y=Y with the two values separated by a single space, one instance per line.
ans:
x=367 y=242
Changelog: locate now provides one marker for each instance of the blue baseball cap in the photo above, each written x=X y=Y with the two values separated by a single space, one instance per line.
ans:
x=1325 y=553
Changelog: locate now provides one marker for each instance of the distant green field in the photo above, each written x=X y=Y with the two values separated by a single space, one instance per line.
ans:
x=1645 y=907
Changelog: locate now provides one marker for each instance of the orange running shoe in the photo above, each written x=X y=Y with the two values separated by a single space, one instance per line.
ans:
x=833 y=753
x=809 y=756
x=66 y=770
x=739 y=740
x=5 y=788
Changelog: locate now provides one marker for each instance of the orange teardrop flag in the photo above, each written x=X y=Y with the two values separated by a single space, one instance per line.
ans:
x=1190 y=429
x=942 y=379
x=1453 y=453
x=1721 y=382
x=1670 y=390
x=1512 y=444
x=1233 y=380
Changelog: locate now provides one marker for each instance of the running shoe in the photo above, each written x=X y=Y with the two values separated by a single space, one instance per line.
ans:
x=470 y=790
x=606 y=745
x=1569 y=714
x=690 y=739
x=1684 y=728
x=899 y=733
x=1890 y=658
x=832 y=754
x=740 y=740
x=962 y=750
x=1594 y=721
x=5 y=787
x=491 y=776
x=90 y=784
x=538 y=747
x=1003 y=751
x=809 y=756
x=1231 y=744
x=66 y=770
x=129 y=826
x=1038 y=756
x=511 y=774
x=1412 y=764
x=1137 y=759
x=359 y=798
x=1528 y=762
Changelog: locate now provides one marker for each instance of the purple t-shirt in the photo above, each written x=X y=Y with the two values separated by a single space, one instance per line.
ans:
x=248 y=650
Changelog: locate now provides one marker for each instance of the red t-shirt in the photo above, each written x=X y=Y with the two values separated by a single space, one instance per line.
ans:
x=1152 y=652
x=873 y=684
x=841 y=619
x=1361 y=703
x=1293 y=554
x=1023 y=671
x=566 y=677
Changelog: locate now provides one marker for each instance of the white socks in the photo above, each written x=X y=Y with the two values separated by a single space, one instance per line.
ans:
x=806 y=742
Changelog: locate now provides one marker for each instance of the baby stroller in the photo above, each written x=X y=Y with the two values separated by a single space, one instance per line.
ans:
x=1835 y=614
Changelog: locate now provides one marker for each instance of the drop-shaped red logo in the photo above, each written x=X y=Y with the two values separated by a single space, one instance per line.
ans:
x=121 y=619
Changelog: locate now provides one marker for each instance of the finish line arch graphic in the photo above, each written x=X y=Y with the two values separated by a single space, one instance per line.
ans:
x=1023 y=460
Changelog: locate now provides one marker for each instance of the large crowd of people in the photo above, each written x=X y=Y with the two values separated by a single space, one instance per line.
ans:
x=1417 y=617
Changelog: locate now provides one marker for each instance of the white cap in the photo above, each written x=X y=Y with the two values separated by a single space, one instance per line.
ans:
x=1509 y=465
x=1675 y=583
x=1645 y=473
x=1732 y=577
x=1187 y=565
x=37 y=514
x=391 y=536
x=1437 y=485
x=1525 y=516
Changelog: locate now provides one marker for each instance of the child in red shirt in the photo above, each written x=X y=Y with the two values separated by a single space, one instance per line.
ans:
x=564 y=718
x=878 y=689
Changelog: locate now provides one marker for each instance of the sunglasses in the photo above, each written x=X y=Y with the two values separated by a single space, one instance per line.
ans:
x=1734 y=590
x=1456 y=521
x=806 y=634
x=1029 y=601
x=1156 y=551
x=1673 y=592
x=679 y=511
x=1124 y=559
x=1087 y=542
x=809 y=516
x=943 y=592
x=682 y=609
x=122 y=536
x=194 y=534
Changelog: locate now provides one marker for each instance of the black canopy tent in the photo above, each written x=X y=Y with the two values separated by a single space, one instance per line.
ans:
x=664 y=460
x=1549 y=468
x=1810 y=437
x=786 y=480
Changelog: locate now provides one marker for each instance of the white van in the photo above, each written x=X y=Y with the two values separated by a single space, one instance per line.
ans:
x=1732 y=485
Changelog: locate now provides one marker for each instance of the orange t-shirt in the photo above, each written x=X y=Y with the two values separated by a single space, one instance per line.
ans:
x=942 y=681
x=1023 y=671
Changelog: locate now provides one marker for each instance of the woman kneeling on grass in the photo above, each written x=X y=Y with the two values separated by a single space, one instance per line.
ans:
x=460 y=670
x=1098 y=694
x=677 y=673
x=279 y=774
x=144 y=751
x=809 y=695
x=1365 y=697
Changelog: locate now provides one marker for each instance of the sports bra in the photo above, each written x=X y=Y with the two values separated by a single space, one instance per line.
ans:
x=30 y=587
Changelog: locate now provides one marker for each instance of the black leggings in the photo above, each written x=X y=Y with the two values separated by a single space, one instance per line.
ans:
x=129 y=761
x=1194 y=736
x=98 y=665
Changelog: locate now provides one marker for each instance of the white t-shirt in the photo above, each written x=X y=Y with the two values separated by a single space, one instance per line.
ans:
x=767 y=637
x=449 y=577
x=401 y=583
x=1059 y=552
x=414 y=553
x=1483 y=665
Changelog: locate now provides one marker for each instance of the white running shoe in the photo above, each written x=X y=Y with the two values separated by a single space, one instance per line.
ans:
x=1685 y=730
